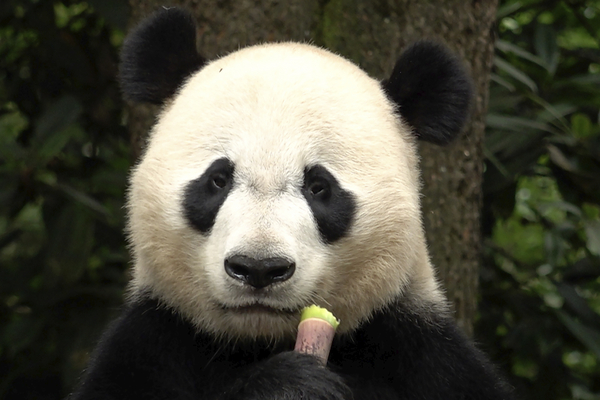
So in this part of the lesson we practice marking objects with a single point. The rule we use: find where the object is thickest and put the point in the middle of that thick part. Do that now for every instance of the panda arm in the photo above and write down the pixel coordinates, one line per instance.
(403, 355)
(439, 360)
(149, 352)
(144, 354)
(288, 375)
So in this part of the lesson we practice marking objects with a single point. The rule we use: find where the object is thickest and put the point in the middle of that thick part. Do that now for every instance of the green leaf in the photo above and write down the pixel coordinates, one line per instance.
(516, 124)
(502, 82)
(22, 332)
(583, 270)
(56, 127)
(592, 231)
(492, 158)
(502, 101)
(585, 79)
(518, 51)
(581, 125)
(517, 150)
(587, 336)
(55, 143)
(553, 112)
(553, 247)
(115, 12)
(11, 125)
(515, 73)
(560, 159)
(545, 44)
(57, 117)
(71, 239)
(561, 205)
(579, 305)
(508, 9)
(7, 238)
(84, 199)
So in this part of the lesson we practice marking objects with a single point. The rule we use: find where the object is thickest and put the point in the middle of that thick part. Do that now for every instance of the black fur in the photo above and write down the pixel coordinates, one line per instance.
(158, 55)
(432, 90)
(332, 206)
(204, 196)
(409, 357)
(152, 353)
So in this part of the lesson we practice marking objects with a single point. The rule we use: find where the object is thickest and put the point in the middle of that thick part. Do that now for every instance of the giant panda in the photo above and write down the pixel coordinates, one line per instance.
(276, 177)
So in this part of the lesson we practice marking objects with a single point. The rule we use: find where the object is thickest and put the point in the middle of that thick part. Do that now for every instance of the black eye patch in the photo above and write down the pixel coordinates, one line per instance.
(332, 206)
(204, 196)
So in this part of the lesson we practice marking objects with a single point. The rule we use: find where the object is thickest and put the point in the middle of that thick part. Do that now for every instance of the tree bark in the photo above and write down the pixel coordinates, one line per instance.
(372, 33)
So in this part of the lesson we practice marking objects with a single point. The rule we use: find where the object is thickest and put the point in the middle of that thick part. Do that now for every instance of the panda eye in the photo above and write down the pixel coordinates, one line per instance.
(332, 206)
(219, 181)
(319, 189)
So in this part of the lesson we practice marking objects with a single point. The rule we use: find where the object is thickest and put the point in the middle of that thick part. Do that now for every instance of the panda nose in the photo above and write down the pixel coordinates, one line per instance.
(259, 273)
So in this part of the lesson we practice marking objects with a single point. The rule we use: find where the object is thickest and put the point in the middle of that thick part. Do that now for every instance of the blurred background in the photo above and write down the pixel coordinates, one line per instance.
(65, 152)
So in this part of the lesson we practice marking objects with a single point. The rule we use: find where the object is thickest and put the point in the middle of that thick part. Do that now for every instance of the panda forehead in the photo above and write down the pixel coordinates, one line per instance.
(279, 108)
(276, 84)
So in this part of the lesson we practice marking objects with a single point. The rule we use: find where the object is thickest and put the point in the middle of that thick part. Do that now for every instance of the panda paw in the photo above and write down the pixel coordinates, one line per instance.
(291, 375)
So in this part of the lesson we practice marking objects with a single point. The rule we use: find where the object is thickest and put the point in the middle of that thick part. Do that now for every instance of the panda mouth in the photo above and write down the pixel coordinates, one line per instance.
(259, 308)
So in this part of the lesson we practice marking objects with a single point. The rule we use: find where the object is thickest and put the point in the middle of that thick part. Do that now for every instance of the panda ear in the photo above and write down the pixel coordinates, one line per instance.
(432, 91)
(158, 55)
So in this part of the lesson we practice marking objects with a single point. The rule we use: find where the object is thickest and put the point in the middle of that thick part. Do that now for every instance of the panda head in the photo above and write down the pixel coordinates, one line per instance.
(281, 176)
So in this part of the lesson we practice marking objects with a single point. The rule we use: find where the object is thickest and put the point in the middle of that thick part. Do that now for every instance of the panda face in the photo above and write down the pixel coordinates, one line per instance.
(278, 177)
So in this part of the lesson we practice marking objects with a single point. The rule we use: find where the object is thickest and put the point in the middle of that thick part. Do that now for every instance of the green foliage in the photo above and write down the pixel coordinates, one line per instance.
(540, 282)
(64, 155)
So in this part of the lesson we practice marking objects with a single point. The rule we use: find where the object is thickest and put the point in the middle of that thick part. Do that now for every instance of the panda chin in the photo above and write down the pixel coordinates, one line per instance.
(256, 321)
(260, 309)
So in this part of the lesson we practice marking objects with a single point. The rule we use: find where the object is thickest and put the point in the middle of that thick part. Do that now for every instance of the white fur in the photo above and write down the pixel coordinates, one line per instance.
(273, 110)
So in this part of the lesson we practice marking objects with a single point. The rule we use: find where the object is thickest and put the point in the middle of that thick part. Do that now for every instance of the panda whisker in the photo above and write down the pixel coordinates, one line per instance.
(221, 144)
(317, 299)
(215, 355)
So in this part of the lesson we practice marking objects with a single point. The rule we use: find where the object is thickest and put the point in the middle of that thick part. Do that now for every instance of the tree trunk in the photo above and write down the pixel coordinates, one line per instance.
(373, 33)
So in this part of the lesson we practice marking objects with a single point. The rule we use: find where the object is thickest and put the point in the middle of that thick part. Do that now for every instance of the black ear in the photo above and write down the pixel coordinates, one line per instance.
(158, 55)
(432, 90)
